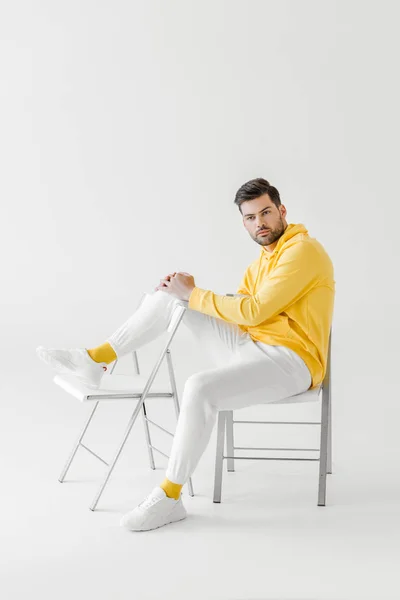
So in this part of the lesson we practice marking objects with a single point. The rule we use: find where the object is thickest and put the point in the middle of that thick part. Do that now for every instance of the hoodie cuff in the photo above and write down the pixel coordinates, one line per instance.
(195, 298)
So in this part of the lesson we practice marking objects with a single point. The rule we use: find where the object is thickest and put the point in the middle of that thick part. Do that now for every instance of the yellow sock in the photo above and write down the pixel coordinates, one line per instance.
(173, 490)
(104, 353)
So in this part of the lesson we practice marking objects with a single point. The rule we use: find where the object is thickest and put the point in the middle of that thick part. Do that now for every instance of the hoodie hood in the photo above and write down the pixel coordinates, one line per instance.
(290, 232)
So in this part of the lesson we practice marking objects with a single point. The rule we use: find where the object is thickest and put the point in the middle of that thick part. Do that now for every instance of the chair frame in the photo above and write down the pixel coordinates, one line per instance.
(226, 423)
(140, 407)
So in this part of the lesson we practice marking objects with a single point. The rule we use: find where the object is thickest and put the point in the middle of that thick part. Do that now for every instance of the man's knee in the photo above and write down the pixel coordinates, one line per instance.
(196, 390)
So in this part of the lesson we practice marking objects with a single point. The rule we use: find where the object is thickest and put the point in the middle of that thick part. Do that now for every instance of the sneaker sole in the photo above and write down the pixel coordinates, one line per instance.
(158, 526)
(173, 520)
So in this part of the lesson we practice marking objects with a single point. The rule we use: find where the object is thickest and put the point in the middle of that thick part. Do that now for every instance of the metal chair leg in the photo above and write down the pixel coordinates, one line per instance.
(77, 444)
(148, 438)
(329, 460)
(176, 405)
(144, 418)
(219, 458)
(143, 411)
(229, 440)
(323, 447)
(328, 385)
(116, 456)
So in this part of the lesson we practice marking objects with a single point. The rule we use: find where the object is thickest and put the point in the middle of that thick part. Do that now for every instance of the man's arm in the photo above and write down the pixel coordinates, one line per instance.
(296, 273)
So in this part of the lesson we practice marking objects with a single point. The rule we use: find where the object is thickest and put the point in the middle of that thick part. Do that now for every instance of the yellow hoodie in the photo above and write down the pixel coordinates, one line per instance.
(290, 299)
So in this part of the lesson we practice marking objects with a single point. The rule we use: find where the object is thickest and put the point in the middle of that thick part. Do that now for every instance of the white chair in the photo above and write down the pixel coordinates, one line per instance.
(126, 387)
(226, 422)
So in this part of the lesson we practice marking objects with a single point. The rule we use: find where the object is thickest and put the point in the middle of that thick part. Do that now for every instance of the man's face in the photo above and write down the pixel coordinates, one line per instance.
(261, 215)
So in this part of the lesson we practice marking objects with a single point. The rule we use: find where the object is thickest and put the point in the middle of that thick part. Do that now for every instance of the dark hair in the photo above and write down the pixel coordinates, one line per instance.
(254, 189)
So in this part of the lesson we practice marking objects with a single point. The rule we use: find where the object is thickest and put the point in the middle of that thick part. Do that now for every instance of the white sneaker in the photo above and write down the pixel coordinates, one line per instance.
(76, 361)
(155, 511)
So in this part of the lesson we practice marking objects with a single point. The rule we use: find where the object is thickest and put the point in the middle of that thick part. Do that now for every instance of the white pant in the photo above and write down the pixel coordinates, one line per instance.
(246, 373)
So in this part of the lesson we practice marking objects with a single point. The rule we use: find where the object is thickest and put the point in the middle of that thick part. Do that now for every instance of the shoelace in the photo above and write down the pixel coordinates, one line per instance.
(148, 502)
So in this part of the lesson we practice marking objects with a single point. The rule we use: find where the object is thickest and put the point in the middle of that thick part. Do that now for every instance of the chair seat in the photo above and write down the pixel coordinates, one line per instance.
(121, 387)
(132, 386)
(308, 396)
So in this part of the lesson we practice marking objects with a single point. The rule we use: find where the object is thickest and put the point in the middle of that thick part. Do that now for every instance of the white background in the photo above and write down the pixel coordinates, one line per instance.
(126, 129)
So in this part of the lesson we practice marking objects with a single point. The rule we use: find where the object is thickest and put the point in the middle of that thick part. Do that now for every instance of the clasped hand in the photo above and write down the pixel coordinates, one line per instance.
(179, 284)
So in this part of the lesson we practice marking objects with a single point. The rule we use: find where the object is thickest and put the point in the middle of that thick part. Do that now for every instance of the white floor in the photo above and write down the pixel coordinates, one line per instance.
(268, 539)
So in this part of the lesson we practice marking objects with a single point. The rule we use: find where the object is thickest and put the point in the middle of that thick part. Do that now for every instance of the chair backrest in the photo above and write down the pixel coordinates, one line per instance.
(327, 378)
(178, 311)
(329, 346)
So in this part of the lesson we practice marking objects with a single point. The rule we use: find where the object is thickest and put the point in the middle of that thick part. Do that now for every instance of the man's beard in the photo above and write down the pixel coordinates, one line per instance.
(272, 236)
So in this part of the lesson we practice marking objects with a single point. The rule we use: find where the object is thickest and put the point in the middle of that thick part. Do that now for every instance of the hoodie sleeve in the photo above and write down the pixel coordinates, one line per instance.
(296, 272)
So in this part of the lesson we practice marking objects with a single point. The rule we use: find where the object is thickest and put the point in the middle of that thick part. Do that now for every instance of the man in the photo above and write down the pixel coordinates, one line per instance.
(268, 342)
